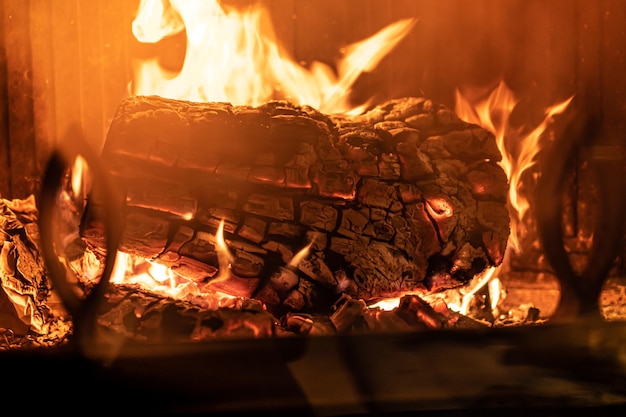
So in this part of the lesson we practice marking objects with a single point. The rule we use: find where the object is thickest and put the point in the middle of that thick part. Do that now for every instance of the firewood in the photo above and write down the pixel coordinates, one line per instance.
(134, 313)
(405, 197)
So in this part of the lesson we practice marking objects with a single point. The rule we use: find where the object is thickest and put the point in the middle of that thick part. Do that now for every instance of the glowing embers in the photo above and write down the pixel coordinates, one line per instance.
(163, 280)
(224, 285)
(233, 56)
(460, 300)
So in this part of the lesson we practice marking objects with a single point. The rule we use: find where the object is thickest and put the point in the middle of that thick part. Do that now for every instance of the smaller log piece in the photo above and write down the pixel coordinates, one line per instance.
(139, 315)
(405, 197)
(136, 314)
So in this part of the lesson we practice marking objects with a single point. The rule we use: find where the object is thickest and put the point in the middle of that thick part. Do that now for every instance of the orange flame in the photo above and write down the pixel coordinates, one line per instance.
(233, 56)
(387, 304)
(160, 279)
(480, 281)
(79, 173)
(518, 149)
(298, 257)
(224, 257)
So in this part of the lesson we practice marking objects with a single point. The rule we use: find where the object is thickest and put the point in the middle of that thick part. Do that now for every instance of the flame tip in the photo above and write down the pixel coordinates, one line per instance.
(491, 110)
(233, 56)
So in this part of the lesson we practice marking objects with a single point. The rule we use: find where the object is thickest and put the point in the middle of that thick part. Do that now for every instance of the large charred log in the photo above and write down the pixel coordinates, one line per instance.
(405, 197)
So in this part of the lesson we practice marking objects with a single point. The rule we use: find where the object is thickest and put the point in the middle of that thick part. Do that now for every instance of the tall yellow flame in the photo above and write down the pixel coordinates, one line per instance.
(233, 56)
(519, 150)
(224, 256)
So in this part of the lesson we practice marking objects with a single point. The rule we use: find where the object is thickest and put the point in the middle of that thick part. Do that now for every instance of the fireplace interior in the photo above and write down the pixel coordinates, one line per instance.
(500, 123)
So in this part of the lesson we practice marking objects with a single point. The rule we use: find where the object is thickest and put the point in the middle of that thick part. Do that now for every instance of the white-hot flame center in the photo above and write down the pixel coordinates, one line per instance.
(233, 56)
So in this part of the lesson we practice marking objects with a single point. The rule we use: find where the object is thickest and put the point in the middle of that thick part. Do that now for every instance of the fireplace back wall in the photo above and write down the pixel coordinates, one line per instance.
(66, 62)
(69, 61)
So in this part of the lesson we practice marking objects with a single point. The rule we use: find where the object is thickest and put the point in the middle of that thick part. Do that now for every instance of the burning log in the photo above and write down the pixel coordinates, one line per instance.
(405, 197)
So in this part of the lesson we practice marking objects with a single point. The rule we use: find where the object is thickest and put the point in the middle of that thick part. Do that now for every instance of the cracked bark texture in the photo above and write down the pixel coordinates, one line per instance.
(405, 197)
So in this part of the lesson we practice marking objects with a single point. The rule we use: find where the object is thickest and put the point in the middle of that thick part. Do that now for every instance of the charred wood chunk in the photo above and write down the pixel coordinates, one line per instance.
(317, 270)
(284, 281)
(276, 207)
(285, 252)
(164, 196)
(415, 164)
(335, 179)
(487, 180)
(353, 223)
(175, 258)
(375, 193)
(346, 312)
(379, 268)
(144, 234)
(389, 166)
(268, 175)
(245, 264)
(302, 297)
(297, 177)
(214, 216)
(318, 215)
(138, 315)
(472, 144)
(309, 325)
(401, 198)
(190, 268)
(253, 229)
(286, 230)
(401, 109)
(234, 285)
(419, 235)
(360, 144)
(415, 310)
(203, 247)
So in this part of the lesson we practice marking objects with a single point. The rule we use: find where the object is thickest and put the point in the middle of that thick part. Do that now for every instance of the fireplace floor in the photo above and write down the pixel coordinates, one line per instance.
(549, 369)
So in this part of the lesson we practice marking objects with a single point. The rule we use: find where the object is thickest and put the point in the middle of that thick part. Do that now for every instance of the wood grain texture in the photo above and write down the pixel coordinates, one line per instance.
(396, 199)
